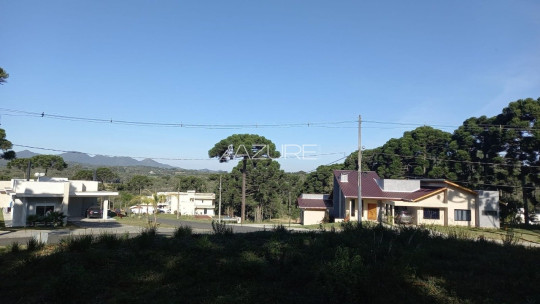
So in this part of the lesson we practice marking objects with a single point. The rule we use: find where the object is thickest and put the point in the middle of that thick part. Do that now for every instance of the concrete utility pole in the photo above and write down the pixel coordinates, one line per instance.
(219, 209)
(360, 170)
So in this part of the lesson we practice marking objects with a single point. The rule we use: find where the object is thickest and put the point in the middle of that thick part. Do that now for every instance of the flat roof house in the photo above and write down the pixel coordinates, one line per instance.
(29, 197)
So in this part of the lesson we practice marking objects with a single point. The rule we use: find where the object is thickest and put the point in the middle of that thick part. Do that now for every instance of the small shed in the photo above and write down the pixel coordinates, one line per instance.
(313, 208)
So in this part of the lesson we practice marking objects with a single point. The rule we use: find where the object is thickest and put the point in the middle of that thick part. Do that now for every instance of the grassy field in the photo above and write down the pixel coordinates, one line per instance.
(371, 265)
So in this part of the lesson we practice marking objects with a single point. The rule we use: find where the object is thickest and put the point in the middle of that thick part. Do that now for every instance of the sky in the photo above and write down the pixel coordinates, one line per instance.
(299, 73)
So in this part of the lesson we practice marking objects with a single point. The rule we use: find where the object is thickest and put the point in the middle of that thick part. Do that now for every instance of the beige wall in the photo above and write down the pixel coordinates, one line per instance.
(446, 201)
(312, 217)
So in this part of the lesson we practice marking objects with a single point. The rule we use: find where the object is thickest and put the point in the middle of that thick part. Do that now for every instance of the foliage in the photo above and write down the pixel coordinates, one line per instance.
(185, 183)
(382, 265)
(139, 183)
(3, 76)
(243, 144)
(47, 162)
(221, 228)
(53, 218)
(21, 164)
(5, 145)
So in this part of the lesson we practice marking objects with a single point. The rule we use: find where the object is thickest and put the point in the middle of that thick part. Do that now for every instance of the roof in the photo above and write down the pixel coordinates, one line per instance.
(372, 190)
(314, 202)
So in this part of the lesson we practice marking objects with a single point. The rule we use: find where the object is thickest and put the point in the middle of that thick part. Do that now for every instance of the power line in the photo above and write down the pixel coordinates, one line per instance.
(164, 158)
(330, 124)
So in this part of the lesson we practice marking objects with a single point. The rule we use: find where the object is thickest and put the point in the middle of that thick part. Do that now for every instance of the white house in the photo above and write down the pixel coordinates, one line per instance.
(191, 202)
(29, 197)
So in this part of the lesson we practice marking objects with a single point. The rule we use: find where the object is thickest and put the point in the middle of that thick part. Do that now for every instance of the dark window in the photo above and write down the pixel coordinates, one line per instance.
(431, 213)
(462, 215)
(352, 207)
(42, 210)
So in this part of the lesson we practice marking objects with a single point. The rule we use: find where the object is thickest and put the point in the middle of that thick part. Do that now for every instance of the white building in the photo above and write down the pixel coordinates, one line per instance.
(30, 197)
(191, 202)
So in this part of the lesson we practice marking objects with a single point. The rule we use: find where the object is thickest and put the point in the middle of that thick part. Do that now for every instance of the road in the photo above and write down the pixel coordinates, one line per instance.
(96, 227)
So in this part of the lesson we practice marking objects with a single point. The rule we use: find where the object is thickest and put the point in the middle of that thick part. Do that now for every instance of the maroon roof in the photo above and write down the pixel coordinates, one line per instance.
(314, 203)
(371, 189)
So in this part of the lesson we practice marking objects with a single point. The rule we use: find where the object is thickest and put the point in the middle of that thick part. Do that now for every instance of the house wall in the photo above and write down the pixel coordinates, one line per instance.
(487, 211)
(191, 203)
(312, 217)
(460, 200)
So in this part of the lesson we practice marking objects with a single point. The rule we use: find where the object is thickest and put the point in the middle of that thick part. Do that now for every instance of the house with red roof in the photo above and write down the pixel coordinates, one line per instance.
(428, 201)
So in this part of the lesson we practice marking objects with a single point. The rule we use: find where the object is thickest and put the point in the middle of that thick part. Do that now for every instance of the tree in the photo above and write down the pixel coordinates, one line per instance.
(185, 183)
(47, 162)
(321, 180)
(84, 174)
(245, 146)
(21, 164)
(3, 76)
(5, 146)
(138, 183)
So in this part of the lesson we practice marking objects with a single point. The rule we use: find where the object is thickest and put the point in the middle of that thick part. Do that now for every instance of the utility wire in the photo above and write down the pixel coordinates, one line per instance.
(163, 158)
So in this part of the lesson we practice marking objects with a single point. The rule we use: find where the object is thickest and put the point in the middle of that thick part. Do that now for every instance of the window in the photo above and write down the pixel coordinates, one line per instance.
(431, 214)
(352, 208)
(462, 215)
(42, 210)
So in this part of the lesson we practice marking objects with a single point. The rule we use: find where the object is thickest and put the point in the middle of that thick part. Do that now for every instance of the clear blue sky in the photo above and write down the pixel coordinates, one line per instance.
(258, 62)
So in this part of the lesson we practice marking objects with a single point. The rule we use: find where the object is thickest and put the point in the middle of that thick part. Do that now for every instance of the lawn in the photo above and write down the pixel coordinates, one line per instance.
(531, 234)
(374, 265)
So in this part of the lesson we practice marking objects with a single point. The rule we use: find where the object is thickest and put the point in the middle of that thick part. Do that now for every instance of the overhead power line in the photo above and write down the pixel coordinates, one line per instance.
(164, 158)
(330, 124)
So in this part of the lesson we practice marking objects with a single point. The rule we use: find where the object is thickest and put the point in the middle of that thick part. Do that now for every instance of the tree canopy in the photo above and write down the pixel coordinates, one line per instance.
(248, 145)
(3, 76)
(5, 146)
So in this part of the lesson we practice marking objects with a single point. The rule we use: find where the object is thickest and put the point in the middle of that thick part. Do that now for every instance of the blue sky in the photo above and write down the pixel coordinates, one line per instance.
(258, 62)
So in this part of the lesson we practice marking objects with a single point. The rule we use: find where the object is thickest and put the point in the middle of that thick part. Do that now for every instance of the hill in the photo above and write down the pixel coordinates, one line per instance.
(100, 160)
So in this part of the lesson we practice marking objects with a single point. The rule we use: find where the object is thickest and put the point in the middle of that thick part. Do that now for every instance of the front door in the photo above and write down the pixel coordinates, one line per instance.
(372, 212)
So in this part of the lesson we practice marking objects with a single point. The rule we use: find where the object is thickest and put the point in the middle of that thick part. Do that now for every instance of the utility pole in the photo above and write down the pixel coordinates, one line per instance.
(219, 209)
(243, 215)
(360, 171)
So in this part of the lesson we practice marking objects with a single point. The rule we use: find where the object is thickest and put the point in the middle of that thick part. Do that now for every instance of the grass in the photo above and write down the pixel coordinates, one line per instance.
(2, 222)
(139, 221)
(532, 234)
(372, 264)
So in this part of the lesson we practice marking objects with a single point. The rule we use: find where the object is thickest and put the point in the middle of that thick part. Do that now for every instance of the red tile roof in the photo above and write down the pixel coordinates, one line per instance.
(372, 190)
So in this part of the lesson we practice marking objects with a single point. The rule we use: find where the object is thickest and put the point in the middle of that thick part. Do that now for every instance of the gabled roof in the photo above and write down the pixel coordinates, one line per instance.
(372, 190)
(310, 201)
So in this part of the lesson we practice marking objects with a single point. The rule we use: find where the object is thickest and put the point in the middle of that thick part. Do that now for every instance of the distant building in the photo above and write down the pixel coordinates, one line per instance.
(190, 202)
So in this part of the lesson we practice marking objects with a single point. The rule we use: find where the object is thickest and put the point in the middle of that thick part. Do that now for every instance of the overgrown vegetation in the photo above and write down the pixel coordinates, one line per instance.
(373, 264)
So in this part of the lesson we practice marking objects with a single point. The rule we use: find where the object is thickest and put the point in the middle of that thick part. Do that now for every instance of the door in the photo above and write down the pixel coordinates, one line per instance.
(372, 212)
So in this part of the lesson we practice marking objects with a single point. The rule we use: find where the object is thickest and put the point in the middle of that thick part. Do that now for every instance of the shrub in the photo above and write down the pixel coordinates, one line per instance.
(77, 244)
(34, 244)
(221, 228)
(182, 231)
(15, 247)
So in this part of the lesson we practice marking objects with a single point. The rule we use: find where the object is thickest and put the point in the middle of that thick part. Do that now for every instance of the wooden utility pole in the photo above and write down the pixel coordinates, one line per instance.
(360, 170)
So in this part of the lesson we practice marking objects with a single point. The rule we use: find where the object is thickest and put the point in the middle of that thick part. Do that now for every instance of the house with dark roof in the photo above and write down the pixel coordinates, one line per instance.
(429, 201)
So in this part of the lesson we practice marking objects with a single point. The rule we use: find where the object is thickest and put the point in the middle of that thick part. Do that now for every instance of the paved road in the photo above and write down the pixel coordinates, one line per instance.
(96, 226)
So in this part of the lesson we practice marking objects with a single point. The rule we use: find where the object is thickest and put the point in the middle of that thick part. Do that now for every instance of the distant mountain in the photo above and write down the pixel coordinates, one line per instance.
(101, 160)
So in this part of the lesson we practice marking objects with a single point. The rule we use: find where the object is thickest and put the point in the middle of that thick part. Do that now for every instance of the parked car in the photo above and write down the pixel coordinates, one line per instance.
(94, 212)
(403, 217)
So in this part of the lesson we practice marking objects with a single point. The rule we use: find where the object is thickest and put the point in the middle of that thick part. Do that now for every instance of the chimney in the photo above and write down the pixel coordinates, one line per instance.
(344, 178)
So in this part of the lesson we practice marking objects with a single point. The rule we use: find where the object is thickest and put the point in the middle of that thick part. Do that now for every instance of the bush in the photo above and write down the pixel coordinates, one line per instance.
(221, 228)
(182, 231)
(33, 244)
